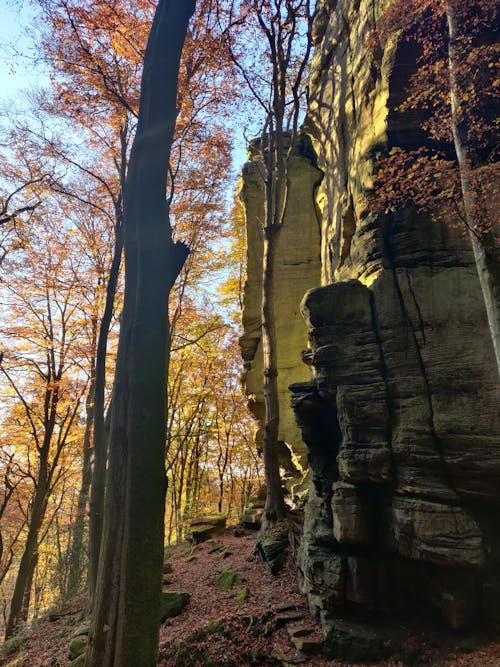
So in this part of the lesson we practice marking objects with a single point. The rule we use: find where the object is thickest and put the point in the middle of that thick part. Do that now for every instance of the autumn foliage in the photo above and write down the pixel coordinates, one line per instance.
(428, 175)
(61, 227)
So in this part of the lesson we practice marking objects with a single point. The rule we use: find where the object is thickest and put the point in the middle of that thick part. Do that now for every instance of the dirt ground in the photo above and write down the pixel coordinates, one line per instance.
(220, 628)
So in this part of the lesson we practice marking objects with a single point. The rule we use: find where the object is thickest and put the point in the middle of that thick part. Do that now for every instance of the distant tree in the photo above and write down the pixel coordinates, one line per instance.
(12, 480)
(455, 91)
(20, 195)
(125, 619)
(40, 369)
(277, 85)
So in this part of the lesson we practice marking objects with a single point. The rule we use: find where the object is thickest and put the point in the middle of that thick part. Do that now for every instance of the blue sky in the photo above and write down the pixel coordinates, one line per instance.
(15, 72)
(18, 73)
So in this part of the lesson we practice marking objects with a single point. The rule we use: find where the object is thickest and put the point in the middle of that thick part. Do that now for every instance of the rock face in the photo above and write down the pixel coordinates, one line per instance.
(401, 419)
(297, 270)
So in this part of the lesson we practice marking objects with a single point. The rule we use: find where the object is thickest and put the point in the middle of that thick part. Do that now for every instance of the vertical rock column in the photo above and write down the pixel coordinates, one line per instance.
(297, 270)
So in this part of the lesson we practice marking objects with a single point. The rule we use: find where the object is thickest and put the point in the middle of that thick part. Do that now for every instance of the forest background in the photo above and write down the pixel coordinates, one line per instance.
(65, 143)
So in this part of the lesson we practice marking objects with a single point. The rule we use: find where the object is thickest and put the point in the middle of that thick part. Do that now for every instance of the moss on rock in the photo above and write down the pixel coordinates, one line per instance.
(227, 579)
(78, 646)
(172, 604)
(273, 548)
(243, 595)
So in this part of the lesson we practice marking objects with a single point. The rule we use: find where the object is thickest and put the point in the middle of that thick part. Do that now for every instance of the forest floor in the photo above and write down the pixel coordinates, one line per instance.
(218, 628)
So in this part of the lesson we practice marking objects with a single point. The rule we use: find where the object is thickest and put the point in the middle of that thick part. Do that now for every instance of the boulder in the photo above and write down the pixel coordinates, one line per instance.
(353, 642)
(227, 579)
(205, 528)
(243, 595)
(78, 646)
(172, 604)
(273, 548)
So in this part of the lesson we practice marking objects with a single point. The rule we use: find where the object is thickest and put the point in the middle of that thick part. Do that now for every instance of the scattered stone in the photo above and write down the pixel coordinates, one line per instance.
(356, 642)
(300, 631)
(308, 644)
(257, 657)
(204, 528)
(214, 626)
(243, 595)
(283, 609)
(215, 545)
(284, 619)
(252, 518)
(239, 532)
(172, 604)
(78, 646)
(226, 553)
(81, 629)
(273, 549)
(191, 558)
(281, 660)
(227, 579)
(78, 662)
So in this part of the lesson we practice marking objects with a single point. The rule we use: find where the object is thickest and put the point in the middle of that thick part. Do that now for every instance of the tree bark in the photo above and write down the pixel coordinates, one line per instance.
(29, 554)
(76, 553)
(487, 262)
(126, 612)
(276, 194)
(27, 591)
(100, 436)
(275, 506)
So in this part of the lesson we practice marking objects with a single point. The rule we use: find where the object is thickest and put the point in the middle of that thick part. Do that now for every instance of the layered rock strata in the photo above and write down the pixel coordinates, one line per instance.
(401, 419)
(297, 270)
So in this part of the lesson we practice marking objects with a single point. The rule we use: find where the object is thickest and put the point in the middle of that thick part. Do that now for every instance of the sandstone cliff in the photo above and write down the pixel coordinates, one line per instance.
(298, 270)
(402, 418)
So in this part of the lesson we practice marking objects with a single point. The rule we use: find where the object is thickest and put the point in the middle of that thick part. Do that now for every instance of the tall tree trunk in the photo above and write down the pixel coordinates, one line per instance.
(126, 612)
(76, 553)
(28, 590)
(100, 433)
(28, 558)
(276, 167)
(275, 505)
(487, 262)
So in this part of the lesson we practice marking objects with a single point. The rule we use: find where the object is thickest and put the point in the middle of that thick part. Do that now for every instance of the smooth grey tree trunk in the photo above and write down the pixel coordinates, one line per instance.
(100, 449)
(126, 611)
(275, 505)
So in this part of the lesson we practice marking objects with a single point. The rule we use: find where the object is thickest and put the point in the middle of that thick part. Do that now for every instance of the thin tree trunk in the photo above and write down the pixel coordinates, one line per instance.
(100, 433)
(488, 267)
(275, 506)
(29, 554)
(28, 590)
(76, 553)
(125, 620)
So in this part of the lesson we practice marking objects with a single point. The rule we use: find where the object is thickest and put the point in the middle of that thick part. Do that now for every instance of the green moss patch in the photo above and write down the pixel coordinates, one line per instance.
(227, 579)
(78, 646)
(172, 604)
(243, 595)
